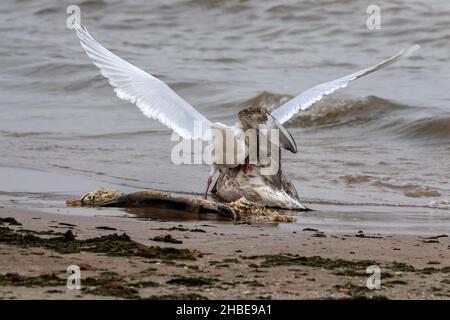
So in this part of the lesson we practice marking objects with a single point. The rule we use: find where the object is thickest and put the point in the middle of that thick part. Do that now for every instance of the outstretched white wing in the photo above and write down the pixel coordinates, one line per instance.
(314, 94)
(152, 96)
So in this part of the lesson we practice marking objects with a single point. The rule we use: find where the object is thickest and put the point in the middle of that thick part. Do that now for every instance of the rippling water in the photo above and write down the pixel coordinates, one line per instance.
(383, 141)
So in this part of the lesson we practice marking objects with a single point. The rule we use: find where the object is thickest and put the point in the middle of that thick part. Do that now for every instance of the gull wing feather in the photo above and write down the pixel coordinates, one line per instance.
(152, 96)
(316, 93)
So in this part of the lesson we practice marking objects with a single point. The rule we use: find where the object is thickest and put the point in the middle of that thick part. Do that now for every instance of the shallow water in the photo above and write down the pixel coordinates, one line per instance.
(376, 154)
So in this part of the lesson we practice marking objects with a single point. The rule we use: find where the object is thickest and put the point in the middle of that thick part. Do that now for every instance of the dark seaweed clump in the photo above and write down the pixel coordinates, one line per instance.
(105, 228)
(106, 285)
(401, 266)
(114, 285)
(315, 261)
(167, 238)
(14, 279)
(10, 221)
(192, 281)
(179, 296)
(358, 292)
(111, 245)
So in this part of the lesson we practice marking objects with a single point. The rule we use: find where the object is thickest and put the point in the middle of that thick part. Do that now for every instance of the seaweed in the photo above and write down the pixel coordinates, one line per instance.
(230, 260)
(173, 229)
(431, 270)
(181, 229)
(350, 273)
(253, 283)
(314, 261)
(360, 234)
(105, 228)
(310, 229)
(435, 237)
(354, 273)
(44, 233)
(111, 245)
(179, 296)
(113, 285)
(356, 292)
(401, 266)
(319, 235)
(66, 224)
(192, 281)
(430, 241)
(198, 230)
(167, 238)
(54, 291)
(113, 289)
(394, 282)
(45, 280)
(144, 284)
(10, 221)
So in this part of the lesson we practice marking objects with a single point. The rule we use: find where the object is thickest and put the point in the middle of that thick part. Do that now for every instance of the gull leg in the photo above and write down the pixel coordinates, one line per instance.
(207, 187)
(245, 165)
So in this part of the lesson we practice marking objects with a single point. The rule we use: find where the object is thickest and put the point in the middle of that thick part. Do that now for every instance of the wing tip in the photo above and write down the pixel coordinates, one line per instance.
(81, 31)
(77, 27)
(408, 52)
(413, 48)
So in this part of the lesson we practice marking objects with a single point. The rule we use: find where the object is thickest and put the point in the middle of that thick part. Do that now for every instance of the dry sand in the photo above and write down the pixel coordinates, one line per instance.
(232, 261)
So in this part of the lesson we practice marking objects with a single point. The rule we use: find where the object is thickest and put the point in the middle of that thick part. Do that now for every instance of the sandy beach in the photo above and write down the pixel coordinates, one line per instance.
(222, 260)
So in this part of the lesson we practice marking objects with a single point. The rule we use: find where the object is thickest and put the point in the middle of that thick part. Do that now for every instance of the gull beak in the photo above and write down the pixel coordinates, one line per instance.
(286, 139)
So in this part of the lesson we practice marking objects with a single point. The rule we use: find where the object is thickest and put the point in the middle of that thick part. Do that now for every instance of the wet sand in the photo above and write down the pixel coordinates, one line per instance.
(222, 260)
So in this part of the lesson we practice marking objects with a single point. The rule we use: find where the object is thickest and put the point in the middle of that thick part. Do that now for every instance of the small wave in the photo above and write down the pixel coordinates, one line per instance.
(93, 3)
(329, 112)
(23, 134)
(436, 204)
(409, 189)
(236, 5)
(49, 69)
(281, 8)
(122, 135)
(353, 179)
(401, 120)
(422, 193)
(440, 204)
(337, 112)
(435, 127)
(47, 11)
(56, 9)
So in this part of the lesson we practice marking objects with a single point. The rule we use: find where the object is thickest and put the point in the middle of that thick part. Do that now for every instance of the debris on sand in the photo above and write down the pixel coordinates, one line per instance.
(245, 209)
(94, 198)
